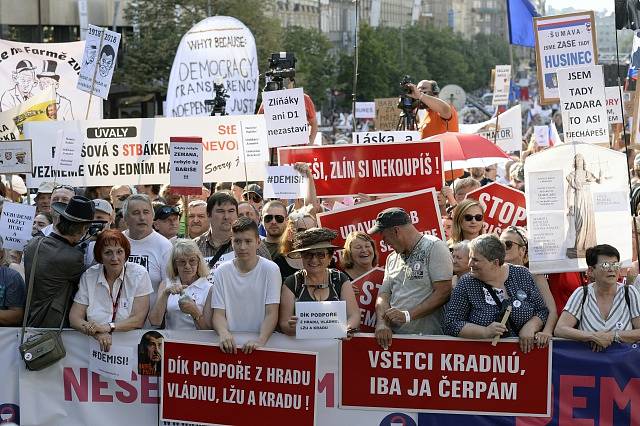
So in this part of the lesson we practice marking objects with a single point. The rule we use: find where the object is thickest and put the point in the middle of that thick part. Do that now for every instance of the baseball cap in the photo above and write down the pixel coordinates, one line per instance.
(164, 211)
(388, 218)
(254, 187)
(103, 206)
(46, 188)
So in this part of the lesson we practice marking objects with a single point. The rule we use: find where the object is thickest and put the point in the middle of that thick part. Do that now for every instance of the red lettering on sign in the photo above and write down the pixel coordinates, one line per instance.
(568, 401)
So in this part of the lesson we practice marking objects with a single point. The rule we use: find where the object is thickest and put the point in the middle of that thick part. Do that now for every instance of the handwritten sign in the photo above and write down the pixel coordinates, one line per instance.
(284, 182)
(286, 118)
(115, 364)
(16, 223)
(186, 165)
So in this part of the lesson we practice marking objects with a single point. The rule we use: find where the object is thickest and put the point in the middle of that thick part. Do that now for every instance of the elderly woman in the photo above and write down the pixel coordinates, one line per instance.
(298, 221)
(515, 242)
(479, 300)
(113, 295)
(184, 299)
(604, 311)
(359, 255)
(460, 258)
(468, 221)
(315, 282)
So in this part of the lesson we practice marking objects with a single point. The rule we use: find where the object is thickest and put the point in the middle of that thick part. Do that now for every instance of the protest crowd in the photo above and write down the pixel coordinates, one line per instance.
(512, 239)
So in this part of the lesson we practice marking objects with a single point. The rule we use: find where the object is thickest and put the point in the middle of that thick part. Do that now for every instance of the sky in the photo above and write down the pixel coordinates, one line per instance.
(607, 5)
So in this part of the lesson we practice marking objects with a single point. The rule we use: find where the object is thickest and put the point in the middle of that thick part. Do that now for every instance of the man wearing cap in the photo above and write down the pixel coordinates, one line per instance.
(59, 263)
(253, 195)
(60, 194)
(118, 194)
(49, 77)
(25, 80)
(166, 221)
(43, 197)
(417, 279)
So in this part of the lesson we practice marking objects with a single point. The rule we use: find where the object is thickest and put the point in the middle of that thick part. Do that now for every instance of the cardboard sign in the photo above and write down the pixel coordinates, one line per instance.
(503, 206)
(286, 119)
(98, 61)
(370, 169)
(15, 157)
(186, 165)
(445, 374)
(562, 41)
(615, 108)
(387, 114)
(68, 149)
(365, 109)
(385, 137)
(501, 85)
(16, 224)
(321, 320)
(284, 182)
(115, 364)
(541, 134)
(582, 98)
(422, 207)
(368, 285)
(267, 384)
(508, 133)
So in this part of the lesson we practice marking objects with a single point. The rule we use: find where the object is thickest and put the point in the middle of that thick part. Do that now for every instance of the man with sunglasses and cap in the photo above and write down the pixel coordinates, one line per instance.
(417, 279)
(59, 194)
(166, 221)
(59, 263)
(118, 194)
(253, 195)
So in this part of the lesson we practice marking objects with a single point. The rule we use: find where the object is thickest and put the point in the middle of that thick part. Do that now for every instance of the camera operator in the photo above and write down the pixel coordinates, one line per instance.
(441, 117)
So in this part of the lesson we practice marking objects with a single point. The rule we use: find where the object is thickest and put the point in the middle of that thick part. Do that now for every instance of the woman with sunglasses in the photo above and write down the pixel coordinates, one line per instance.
(298, 221)
(515, 241)
(316, 281)
(604, 311)
(184, 299)
(480, 299)
(468, 221)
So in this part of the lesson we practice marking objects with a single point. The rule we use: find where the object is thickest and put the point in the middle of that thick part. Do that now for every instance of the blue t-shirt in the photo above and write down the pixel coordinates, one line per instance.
(12, 289)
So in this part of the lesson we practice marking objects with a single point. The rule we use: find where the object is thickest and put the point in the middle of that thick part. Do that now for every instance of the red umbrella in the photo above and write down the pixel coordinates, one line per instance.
(462, 151)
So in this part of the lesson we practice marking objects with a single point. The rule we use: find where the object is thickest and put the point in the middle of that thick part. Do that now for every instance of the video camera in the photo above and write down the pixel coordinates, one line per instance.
(281, 65)
(219, 102)
(406, 102)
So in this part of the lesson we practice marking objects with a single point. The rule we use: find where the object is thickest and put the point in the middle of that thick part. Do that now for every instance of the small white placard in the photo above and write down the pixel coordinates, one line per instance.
(365, 110)
(321, 320)
(614, 104)
(68, 150)
(501, 85)
(15, 157)
(116, 364)
(101, 51)
(286, 119)
(284, 182)
(542, 135)
(16, 224)
(186, 164)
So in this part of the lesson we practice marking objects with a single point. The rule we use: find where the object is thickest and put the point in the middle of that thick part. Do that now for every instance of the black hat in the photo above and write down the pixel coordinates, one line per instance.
(313, 238)
(24, 65)
(254, 187)
(49, 69)
(389, 218)
(79, 209)
(163, 211)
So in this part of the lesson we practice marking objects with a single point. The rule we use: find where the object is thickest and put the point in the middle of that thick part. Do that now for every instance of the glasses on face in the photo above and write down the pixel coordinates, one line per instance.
(193, 262)
(278, 217)
(308, 255)
(252, 196)
(517, 231)
(606, 266)
(470, 217)
(508, 244)
(123, 197)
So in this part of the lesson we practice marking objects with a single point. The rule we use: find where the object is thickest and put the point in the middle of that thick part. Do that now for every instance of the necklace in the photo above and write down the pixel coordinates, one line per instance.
(316, 286)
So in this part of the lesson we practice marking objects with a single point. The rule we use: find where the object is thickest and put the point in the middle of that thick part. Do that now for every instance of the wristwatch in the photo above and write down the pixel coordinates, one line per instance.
(112, 327)
(616, 337)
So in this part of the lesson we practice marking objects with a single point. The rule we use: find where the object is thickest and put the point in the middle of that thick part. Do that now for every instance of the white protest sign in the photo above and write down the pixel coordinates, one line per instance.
(16, 224)
(582, 103)
(15, 157)
(68, 150)
(365, 110)
(321, 320)
(218, 47)
(286, 118)
(541, 134)
(508, 134)
(116, 364)
(501, 85)
(284, 182)
(384, 137)
(562, 41)
(98, 61)
(614, 104)
(186, 165)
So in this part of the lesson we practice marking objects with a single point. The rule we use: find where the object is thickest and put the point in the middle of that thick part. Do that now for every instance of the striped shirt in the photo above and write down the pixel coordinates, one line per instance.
(591, 320)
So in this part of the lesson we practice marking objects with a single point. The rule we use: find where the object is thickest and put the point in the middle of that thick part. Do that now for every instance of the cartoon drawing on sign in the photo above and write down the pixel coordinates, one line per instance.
(580, 207)
(49, 77)
(25, 80)
(150, 354)
(90, 54)
(106, 61)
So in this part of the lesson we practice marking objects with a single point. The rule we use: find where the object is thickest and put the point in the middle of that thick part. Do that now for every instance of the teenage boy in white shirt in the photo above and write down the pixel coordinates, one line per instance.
(246, 291)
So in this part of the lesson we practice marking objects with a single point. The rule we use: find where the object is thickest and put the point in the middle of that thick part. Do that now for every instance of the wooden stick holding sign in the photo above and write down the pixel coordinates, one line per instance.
(505, 318)
(95, 71)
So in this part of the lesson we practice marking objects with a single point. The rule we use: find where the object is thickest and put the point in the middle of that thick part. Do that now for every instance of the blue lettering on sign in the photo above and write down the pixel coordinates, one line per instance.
(567, 59)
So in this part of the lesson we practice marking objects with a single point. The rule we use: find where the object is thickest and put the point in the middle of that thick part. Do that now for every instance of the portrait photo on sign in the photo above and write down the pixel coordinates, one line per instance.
(577, 197)
(150, 354)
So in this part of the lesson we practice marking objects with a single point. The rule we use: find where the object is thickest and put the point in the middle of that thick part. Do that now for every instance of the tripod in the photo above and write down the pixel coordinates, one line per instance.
(407, 120)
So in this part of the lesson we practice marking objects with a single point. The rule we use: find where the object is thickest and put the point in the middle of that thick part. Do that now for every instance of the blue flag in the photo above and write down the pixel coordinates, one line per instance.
(520, 14)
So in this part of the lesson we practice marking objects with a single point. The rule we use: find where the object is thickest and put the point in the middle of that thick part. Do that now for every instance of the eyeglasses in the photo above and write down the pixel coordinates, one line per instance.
(308, 255)
(70, 188)
(123, 197)
(252, 196)
(470, 217)
(508, 244)
(605, 266)
(278, 217)
(517, 231)
(192, 262)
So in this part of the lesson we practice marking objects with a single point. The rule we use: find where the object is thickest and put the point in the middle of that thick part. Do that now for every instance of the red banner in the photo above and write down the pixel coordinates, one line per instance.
(503, 206)
(380, 169)
(422, 206)
(368, 285)
(202, 384)
(445, 374)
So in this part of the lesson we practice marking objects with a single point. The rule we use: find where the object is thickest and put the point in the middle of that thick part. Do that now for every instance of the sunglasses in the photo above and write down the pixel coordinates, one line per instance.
(508, 244)
(470, 217)
(605, 266)
(308, 255)
(167, 210)
(252, 196)
(517, 231)
(278, 217)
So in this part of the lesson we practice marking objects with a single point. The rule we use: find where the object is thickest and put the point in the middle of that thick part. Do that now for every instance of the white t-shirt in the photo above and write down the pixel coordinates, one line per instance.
(243, 296)
(93, 291)
(175, 319)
